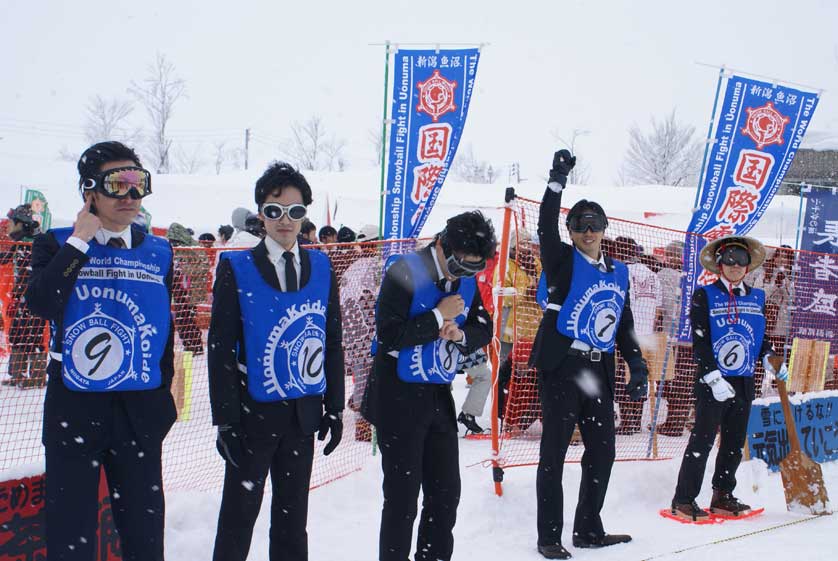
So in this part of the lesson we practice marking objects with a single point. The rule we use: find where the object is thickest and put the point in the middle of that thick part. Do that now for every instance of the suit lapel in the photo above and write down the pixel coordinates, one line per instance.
(137, 236)
(305, 267)
(264, 265)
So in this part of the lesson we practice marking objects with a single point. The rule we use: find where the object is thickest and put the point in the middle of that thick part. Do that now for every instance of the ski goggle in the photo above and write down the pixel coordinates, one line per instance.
(274, 211)
(581, 223)
(119, 183)
(461, 268)
(734, 255)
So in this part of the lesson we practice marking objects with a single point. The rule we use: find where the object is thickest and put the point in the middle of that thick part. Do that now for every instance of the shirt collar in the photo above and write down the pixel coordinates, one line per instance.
(726, 282)
(439, 274)
(103, 235)
(275, 250)
(598, 263)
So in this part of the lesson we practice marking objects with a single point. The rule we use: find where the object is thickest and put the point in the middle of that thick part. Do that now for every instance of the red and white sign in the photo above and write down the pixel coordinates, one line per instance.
(765, 125)
(753, 168)
(436, 96)
(434, 142)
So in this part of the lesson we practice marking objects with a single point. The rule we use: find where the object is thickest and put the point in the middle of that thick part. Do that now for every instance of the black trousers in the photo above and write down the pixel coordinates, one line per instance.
(563, 405)
(135, 480)
(711, 415)
(426, 457)
(288, 458)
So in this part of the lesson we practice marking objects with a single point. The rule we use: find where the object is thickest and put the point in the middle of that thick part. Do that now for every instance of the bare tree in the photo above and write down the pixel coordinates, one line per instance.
(581, 172)
(220, 155)
(374, 137)
(310, 146)
(188, 161)
(669, 154)
(106, 120)
(467, 167)
(158, 92)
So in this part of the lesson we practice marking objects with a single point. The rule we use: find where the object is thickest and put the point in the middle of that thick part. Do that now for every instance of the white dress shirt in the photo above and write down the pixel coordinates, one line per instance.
(275, 256)
(102, 236)
(730, 288)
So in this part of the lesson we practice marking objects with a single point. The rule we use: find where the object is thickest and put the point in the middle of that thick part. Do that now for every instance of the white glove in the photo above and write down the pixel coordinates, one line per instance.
(722, 390)
(782, 375)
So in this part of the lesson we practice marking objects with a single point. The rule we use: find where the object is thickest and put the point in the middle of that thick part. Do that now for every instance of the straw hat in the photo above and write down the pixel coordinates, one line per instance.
(710, 251)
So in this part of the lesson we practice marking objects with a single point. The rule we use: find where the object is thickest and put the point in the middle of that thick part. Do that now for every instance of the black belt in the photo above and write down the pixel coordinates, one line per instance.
(594, 355)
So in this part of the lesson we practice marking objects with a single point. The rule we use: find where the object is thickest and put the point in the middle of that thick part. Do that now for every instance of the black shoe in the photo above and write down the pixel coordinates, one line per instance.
(604, 541)
(689, 511)
(554, 551)
(469, 422)
(627, 430)
(725, 503)
(12, 381)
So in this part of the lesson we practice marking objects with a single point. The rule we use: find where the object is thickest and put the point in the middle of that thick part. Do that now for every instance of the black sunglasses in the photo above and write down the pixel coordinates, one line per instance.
(274, 211)
(581, 223)
(734, 255)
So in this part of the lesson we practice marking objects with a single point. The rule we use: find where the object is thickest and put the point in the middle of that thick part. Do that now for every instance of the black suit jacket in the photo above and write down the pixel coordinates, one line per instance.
(705, 358)
(230, 399)
(550, 347)
(69, 414)
(389, 403)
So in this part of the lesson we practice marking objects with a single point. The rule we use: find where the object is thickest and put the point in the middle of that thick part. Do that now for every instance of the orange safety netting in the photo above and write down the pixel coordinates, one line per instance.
(190, 460)
(654, 257)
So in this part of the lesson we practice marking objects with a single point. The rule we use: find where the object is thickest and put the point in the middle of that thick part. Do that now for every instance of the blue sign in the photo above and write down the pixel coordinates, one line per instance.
(817, 428)
(816, 284)
(431, 94)
(758, 131)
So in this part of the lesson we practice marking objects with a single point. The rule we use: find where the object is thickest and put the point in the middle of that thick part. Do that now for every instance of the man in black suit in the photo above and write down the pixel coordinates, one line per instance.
(429, 316)
(275, 359)
(588, 312)
(105, 287)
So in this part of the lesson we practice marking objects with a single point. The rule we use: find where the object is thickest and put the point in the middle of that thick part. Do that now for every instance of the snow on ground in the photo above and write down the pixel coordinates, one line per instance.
(344, 516)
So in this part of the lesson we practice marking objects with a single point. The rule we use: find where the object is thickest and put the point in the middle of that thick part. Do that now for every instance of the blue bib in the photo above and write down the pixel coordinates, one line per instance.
(436, 362)
(541, 294)
(736, 344)
(284, 332)
(592, 309)
(116, 321)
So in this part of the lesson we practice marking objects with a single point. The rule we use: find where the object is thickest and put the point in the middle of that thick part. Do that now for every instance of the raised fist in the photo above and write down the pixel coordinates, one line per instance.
(563, 162)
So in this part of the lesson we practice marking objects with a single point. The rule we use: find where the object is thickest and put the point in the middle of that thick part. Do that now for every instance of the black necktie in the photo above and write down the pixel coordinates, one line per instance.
(737, 291)
(118, 243)
(290, 272)
(445, 285)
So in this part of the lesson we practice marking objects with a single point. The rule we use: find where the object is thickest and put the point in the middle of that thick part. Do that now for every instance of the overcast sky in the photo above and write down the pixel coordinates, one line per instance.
(557, 65)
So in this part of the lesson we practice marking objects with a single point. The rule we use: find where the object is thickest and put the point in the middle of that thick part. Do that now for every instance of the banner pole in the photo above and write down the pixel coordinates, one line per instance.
(709, 137)
(494, 348)
(384, 142)
(798, 233)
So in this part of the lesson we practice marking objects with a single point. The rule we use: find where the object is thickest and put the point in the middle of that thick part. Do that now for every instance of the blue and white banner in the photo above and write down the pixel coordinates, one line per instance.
(431, 94)
(816, 284)
(758, 130)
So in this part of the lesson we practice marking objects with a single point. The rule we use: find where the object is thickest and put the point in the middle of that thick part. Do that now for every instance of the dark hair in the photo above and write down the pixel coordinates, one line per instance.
(308, 226)
(226, 232)
(470, 233)
(93, 158)
(278, 176)
(206, 237)
(585, 205)
(346, 234)
(326, 231)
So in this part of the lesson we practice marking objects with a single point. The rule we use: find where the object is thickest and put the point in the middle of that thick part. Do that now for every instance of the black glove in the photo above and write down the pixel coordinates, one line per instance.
(563, 162)
(230, 443)
(638, 384)
(331, 422)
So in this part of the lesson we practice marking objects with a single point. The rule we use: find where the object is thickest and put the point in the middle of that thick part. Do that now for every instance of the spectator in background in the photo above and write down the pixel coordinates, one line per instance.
(522, 272)
(343, 256)
(225, 232)
(328, 234)
(308, 233)
(645, 303)
(189, 288)
(346, 235)
(206, 240)
(244, 236)
(26, 331)
(368, 233)
(677, 387)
